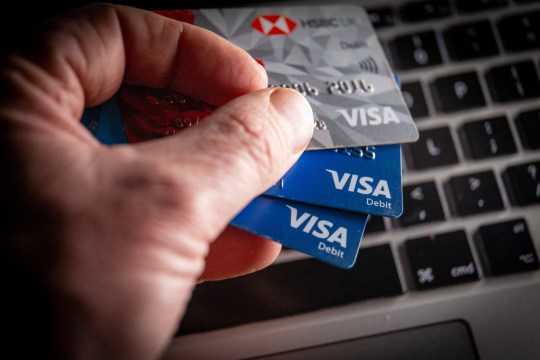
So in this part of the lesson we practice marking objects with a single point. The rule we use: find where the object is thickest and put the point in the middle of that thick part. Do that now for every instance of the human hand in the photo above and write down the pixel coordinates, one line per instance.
(103, 245)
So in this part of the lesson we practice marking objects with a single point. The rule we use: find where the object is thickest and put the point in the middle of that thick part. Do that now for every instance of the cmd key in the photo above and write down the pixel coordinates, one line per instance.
(444, 259)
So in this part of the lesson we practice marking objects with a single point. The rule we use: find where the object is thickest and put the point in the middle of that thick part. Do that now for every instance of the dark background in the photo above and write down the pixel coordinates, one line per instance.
(20, 16)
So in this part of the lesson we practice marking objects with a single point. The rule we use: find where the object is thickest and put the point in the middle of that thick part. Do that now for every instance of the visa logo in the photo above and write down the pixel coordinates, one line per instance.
(369, 116)
(360, 184)
(322, 229)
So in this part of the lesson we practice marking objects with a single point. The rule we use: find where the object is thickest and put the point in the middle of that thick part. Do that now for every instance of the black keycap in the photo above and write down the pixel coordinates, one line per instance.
(457, 92)
(415, 99)
(467, 6)
(506, 247)
(291, 288)
(528, 125)
(440, 260)
(520, 32)
(513, 82)
(526, 1)
(434, 148)
(523, 183)
(487, 138)
(416, 50)
(474, 193)
(382, 17)
(425, 10)
(470, 41)
(421, 205)
(374, 224)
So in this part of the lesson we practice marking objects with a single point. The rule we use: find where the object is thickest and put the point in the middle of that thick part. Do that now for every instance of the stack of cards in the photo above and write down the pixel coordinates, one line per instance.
(352, 166)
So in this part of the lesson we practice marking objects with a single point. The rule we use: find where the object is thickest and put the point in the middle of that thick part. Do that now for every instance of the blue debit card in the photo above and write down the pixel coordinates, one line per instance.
(330, 235)
(364, 179)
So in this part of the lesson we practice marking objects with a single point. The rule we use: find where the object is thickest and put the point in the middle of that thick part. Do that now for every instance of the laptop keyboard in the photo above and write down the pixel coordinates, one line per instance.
(469, 73)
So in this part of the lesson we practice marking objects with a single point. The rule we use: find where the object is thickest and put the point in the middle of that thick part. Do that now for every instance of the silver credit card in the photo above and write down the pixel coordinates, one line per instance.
(331, 55)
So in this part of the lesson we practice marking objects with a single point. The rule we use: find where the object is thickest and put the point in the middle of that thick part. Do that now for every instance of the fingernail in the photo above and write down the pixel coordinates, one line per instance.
(297, 115)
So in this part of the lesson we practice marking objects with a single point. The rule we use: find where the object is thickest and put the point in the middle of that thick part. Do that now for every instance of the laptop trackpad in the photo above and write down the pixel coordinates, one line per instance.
(449, 340)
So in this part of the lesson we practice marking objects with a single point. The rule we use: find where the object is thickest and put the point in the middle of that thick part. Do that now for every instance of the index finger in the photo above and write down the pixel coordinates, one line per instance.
(202, 64)
(95, 49)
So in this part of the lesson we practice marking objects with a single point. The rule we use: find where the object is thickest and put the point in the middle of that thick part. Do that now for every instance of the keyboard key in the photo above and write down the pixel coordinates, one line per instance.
(416, 50)
(487, 138)
(523, 183)
(506, 247)
(421, 205)
(374, 224)
(457, 92)
(440, 260)
(434, 148)
(415, 99)
(513, 82)
(528, 125)
(382, 17)
(467, 6)
(470, 41)
(300, 286)
(474, 193)
(520, 32)
(425, 10)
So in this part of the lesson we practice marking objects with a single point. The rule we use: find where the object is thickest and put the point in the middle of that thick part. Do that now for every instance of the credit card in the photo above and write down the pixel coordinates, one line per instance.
(330, 54)
(363, 179)
(330, 235)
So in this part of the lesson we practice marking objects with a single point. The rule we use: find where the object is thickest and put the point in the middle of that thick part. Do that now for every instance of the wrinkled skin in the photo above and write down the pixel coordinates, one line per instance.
(103, 245)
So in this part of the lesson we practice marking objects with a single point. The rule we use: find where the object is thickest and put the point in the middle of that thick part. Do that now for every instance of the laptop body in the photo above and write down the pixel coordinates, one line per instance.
(471, 196)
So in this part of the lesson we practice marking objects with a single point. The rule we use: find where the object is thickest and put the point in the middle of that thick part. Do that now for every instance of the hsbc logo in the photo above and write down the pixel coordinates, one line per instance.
(273, 24)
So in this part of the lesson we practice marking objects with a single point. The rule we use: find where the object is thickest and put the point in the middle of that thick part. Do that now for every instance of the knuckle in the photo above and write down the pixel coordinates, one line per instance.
(256, 143)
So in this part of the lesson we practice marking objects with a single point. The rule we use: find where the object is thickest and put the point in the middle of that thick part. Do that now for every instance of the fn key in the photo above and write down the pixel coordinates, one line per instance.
(506, 247)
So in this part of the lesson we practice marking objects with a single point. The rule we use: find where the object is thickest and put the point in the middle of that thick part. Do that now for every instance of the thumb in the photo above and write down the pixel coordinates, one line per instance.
(235, 154)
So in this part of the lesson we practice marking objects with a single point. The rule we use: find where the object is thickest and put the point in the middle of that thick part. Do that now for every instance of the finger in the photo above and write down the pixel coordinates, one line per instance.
(237, 252)
(235, 154)
(196, 61)
(89, 52)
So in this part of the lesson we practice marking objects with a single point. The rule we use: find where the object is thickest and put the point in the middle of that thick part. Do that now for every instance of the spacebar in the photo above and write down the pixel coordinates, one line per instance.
(290, 288)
